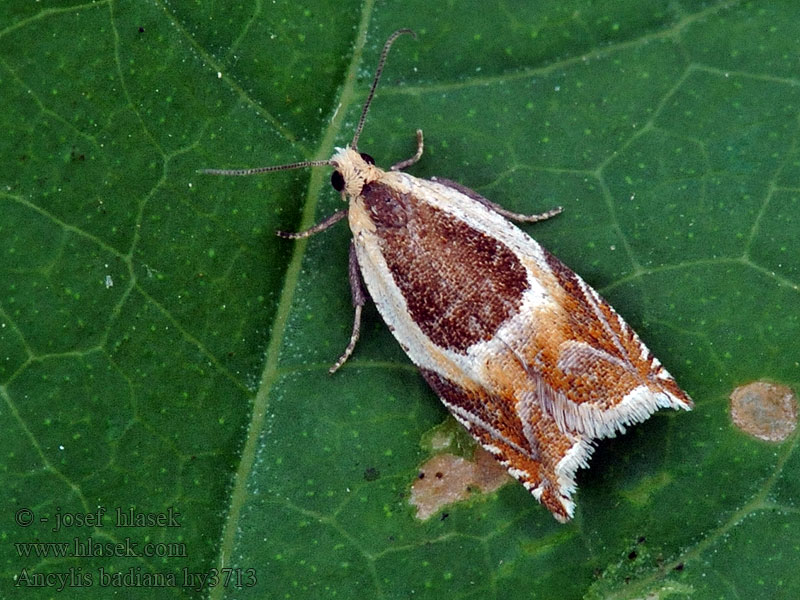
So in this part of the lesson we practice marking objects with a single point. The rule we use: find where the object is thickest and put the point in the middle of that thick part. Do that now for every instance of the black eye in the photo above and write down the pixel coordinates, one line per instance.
(337, 181)
(367, 158)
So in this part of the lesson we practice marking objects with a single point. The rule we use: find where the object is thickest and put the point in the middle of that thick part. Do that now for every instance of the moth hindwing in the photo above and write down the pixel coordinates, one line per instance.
(523, 352)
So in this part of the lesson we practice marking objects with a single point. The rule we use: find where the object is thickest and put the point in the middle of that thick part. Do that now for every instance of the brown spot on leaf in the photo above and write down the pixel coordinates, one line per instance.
(764, 410)
(451, 479)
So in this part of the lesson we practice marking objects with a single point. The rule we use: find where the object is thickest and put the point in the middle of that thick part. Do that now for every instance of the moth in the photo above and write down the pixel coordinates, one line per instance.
(523, 353)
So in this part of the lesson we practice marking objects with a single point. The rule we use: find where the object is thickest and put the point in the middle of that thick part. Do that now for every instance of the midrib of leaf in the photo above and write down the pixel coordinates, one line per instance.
(270, 372)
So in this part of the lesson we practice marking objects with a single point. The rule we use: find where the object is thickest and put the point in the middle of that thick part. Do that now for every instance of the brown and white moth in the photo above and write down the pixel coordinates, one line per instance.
(522, 352)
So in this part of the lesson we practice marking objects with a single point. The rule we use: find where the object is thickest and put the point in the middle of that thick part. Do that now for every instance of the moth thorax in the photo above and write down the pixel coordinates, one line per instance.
(355, 170)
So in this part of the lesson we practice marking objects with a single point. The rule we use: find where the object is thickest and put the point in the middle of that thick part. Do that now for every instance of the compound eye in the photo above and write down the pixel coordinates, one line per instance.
(367, 158)
(337, 181)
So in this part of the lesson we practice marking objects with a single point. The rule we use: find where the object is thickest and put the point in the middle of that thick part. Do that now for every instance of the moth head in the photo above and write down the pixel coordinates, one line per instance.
(352, 169)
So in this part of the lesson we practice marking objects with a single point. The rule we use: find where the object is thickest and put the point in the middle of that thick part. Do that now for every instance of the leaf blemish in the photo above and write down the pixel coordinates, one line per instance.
(764, 410)
(446, 479)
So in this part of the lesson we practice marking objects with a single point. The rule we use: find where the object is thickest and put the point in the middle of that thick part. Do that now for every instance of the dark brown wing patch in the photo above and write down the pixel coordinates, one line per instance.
(460, 285)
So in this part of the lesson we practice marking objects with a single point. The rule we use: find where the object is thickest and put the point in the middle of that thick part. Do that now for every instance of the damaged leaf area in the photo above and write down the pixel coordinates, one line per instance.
(764, 410)
(446, 479)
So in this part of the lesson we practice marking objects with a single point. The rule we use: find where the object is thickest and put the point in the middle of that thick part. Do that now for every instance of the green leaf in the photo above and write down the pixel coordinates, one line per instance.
(161, 348)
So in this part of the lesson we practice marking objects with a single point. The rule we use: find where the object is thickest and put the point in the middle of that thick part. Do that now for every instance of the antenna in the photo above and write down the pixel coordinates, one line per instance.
(257, 170)
(376, 79)
(353, 144)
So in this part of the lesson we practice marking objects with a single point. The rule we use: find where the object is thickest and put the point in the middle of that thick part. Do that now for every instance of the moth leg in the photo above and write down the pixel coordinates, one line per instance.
(410, 161)
(359, 298)
(514, 216)
(321, 226)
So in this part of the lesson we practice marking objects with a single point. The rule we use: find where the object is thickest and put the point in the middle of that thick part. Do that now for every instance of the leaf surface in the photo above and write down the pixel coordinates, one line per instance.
(161, 348)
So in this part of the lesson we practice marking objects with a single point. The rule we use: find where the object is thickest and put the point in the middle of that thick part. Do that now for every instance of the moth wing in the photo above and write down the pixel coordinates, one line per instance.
(599, 377)
(523, 438)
